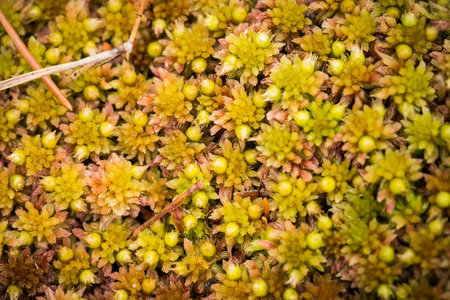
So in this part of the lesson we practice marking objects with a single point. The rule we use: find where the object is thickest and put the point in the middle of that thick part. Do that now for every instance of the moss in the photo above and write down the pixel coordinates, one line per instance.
(97, 76)
(156, 191)
(172, 288)
(232, 289)
(112, 189)
(60, 294)
(7, 194)
(251, 59)
(198, 268)
(115, 237)
(236, 211)
(43, 108)
(13, 63)
(330, 4)
(148, 241)
(51, 8)
(395, 171)
(171, 10)
(292, 206)
(391, 164)
(316, 42)
(411, 85)
(389, 3)
(71, 27)
(69, 184)
(135, 140)
(321, 143)
(298, 83)
(7, 130)
(224, 13)
(182, 182)
(358, 28)
(261, 267)
(205, 7)
(69, 272)
(37, 49)
(372, 273)
(177, 152)
(214, 101)
(442, 62)
(118, 25)
(37, 156)
(127, 94)
(367, 122)
(413, 36)
(238, 109)
(422, 288)
(427, 249)
(238, 174)
(354, 78)
(293, 253)
(364, 237)
(342, 173)
(29, 271)
(323, 287)
(130, 279)
(409, 211)
(167, 100)
(288, 16)
(11, 10)
(3, 226)
(44, 225)
(281, 146)
(360, 205)
(438, 179)
(323, 125)
(189, 43)
(423, 134)
(8, 65)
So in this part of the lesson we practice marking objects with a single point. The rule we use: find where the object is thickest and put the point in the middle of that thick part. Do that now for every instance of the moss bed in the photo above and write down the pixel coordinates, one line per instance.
(312, 138)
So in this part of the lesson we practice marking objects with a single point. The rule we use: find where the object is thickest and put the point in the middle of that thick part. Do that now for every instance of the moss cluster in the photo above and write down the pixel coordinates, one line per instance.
(122, 191)
(288, 17)
(299, 82)
(318, 131)
(72, 24)
(66, 184)
(189, 43)
(45, 225)
(243, 58)
(358, 28)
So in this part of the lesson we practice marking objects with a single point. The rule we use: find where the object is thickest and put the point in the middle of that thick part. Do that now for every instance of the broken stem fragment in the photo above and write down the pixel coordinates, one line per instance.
(137, 21)
(97, 58)
(43, 73)
(33, 63)
(195, 187)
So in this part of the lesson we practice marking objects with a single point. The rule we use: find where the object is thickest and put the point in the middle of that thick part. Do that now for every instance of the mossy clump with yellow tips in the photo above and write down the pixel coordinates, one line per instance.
(241, 149)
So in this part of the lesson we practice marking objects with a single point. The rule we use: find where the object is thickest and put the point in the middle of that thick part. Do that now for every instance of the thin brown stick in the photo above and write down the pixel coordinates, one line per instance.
(93, 60)
(195, 187)
(74, 76)
(137, 21)
(33, 63)
(253, 194)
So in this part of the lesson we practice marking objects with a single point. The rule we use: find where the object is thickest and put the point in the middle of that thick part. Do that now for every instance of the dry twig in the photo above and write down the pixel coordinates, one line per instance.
(137, 21)
(253, 194)
(91, 60)
(32, 62)
(195, 187)
(87, 62)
